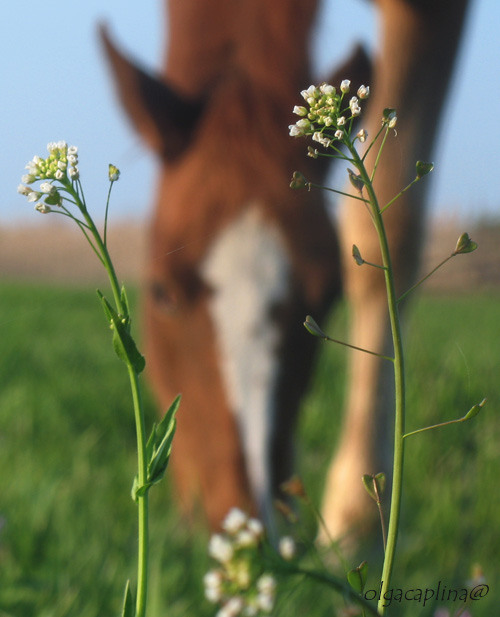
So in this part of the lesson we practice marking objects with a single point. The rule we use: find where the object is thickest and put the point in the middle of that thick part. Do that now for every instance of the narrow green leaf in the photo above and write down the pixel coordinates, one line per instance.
(124, 345)
(162, 444)
(128, 602)
(124, 299)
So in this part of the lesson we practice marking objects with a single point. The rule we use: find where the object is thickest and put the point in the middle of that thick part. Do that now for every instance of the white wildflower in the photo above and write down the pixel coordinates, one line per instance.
(73, 173)
(364, 92)
(48, 188)
(72, 150)
(265, 602)
(362, 135)
(341, 121)
(339, 134)
(255, 527)
(266, 584)
(220, 548)
(345, 86)
(300, 110)
(295, 131)
(327, 89)
(320, 138)
(235, 520)
(43, 208)
(287, 548)
(24, 190)
(34, 196)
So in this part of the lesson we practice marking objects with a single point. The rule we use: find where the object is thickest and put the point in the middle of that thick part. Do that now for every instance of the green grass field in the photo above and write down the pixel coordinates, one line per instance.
(67, 460)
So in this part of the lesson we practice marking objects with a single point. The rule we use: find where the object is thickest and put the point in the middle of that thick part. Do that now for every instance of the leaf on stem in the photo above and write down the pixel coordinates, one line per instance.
(158, 449)
(312, 327)
(357, 577)
(465, 245)
(160, 443)
(128, 603)
(357, 255)
(124, 345)
(423, 169)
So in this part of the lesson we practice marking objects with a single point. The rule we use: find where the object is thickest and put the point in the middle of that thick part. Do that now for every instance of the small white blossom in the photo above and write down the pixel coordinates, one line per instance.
(73, 173)
(34, 196)
(72, 150)
(300, 110)
(255, 527)
(364, 92)
(310, 94)
(328, 121)
(28, 178)
(265, 602)
(43, 208)
(48, 188)
(59, 175)
(327, 89)
(341, 121)
(345, 86)
(72, 159)
(392, 121)
(220, 548)
(245, 538)
(355, 110)
(312, 152)
(266, 584)
(339, 134)
(287, 548)
(362, 135)
(24, 190)
(235, 520)
(295, 131)
(232, 608)
(320, 138)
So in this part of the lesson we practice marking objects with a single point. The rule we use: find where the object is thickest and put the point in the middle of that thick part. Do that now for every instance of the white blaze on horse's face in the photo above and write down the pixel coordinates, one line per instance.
(248, 272)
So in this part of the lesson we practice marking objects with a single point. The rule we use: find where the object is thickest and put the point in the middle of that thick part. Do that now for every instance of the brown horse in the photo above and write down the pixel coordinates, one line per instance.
(237, 259)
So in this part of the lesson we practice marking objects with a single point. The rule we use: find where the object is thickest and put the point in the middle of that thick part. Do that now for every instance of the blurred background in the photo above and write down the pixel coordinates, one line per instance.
(55, 86)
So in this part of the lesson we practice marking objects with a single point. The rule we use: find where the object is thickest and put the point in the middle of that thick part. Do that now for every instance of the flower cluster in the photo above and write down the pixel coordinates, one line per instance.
(61, 165)
(239, 583)
(327, 117)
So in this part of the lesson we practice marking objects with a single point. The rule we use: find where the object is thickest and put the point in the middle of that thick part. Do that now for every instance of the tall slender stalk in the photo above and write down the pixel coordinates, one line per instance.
(399, 379)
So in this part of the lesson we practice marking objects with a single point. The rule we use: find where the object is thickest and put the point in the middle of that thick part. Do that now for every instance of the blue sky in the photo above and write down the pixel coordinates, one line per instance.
(55, 86)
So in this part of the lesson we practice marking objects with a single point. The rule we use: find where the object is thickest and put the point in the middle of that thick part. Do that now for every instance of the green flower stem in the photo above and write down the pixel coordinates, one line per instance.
(422, 280)
(142, 501)
(100, 247)
(326, 188)
(399, 379)
(387, 205)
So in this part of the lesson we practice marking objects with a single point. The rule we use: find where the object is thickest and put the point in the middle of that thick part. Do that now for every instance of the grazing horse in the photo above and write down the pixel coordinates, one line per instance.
(237, 259)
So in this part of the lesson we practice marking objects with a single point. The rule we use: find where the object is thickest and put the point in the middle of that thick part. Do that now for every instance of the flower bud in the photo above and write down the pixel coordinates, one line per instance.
(345, 86)
(114, 173)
